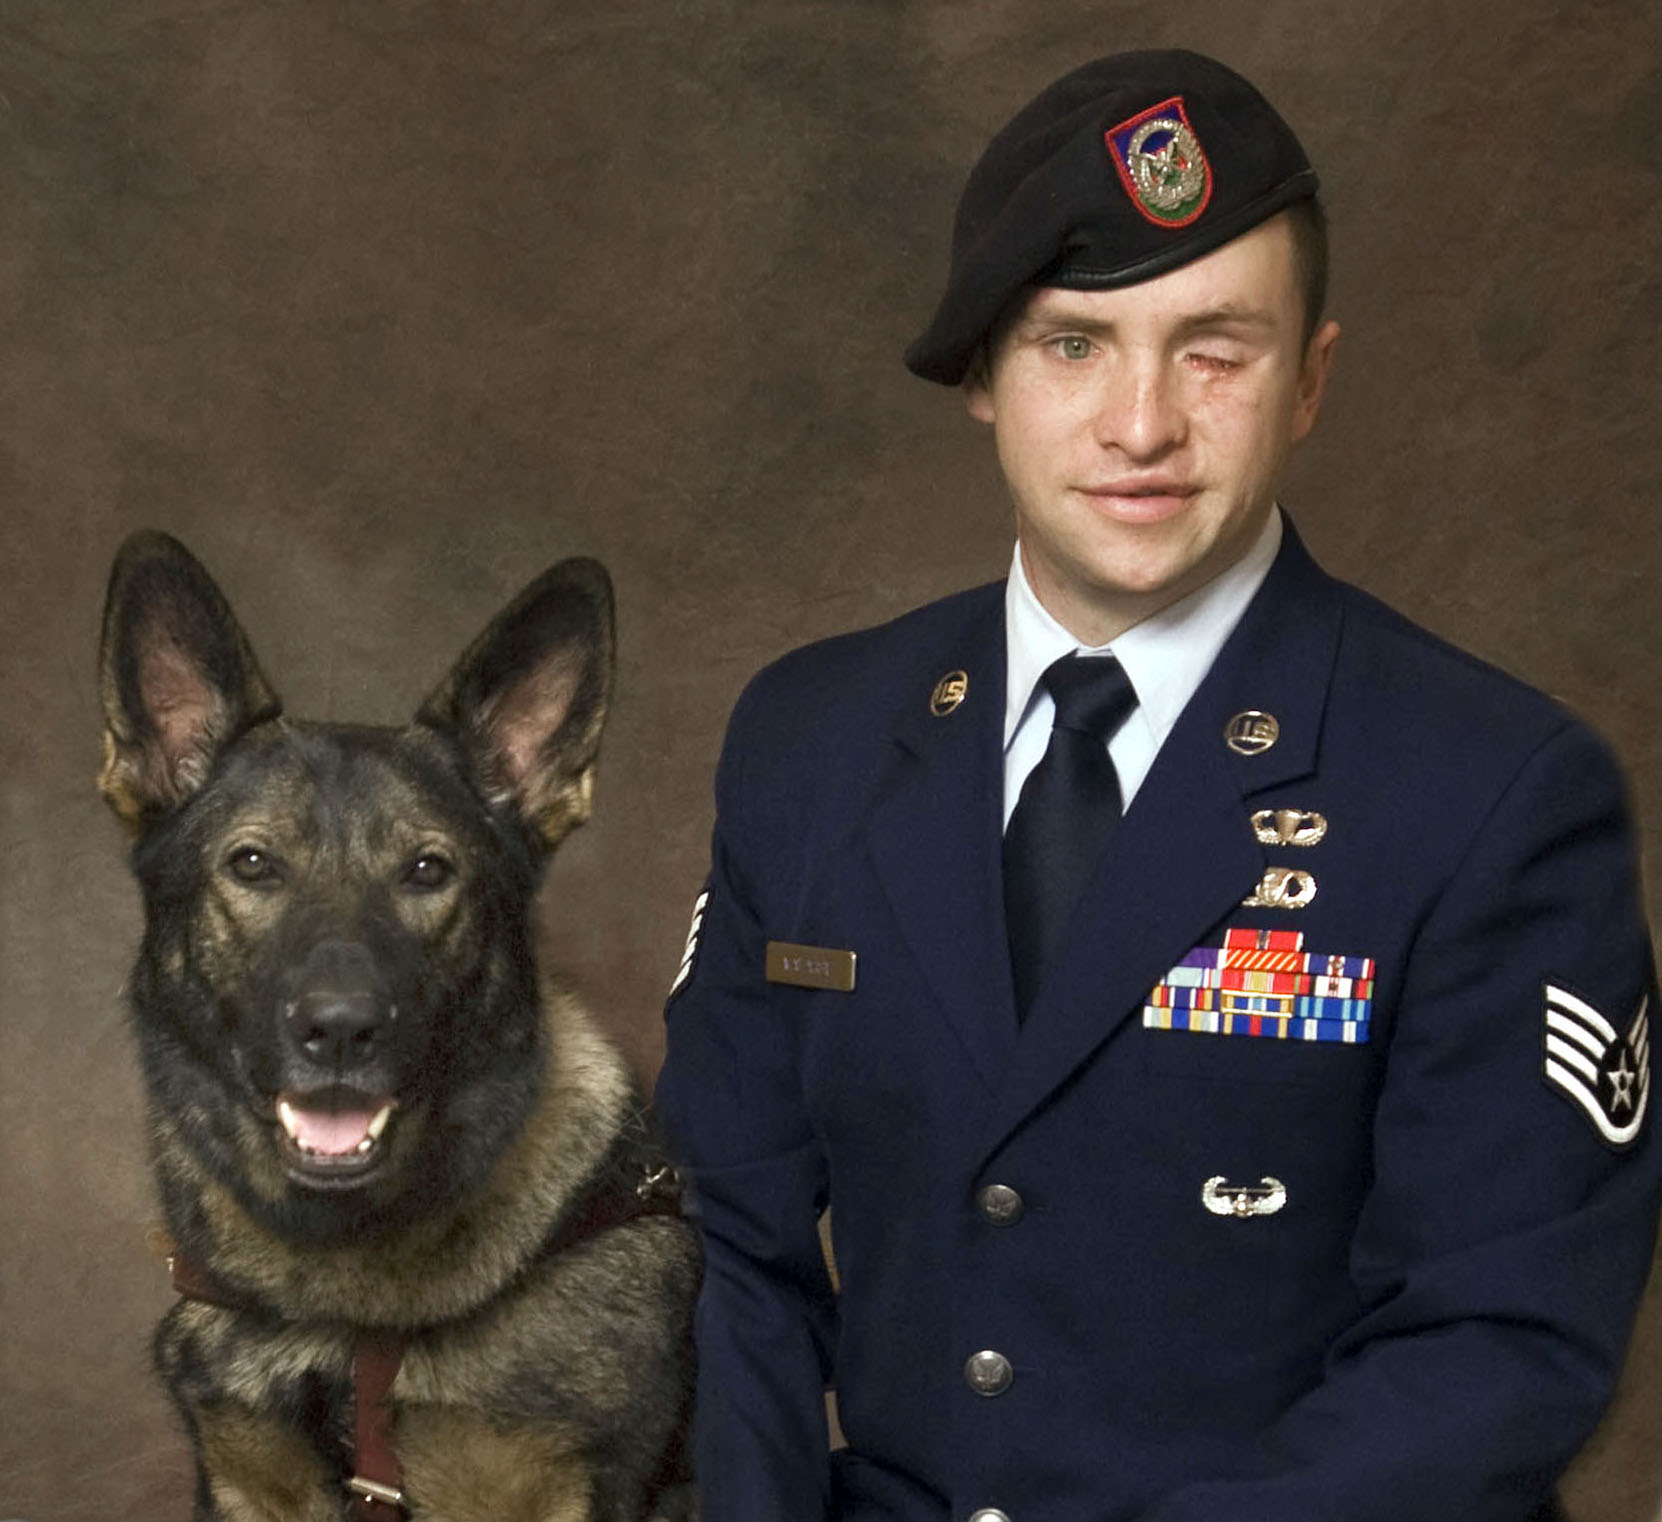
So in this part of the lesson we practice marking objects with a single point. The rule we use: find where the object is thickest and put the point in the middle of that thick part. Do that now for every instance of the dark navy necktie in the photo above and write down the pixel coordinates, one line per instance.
(1068, 808)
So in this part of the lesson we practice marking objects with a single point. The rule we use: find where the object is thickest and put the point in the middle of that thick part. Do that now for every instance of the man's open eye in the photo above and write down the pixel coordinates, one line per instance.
(254, 866)
(1073, 346)
(428, 871)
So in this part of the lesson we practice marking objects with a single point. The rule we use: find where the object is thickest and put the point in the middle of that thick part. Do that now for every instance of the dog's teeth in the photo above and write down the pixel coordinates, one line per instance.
(376, 1127)
(285, 1113)
(366, 1144)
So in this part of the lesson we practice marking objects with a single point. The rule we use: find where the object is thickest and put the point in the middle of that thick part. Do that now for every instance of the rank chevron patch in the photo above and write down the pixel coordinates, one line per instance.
(689, 957)
(1593, 1065)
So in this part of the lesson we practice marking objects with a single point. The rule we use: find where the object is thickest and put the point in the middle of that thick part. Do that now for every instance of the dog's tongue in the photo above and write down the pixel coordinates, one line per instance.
(333, 1132)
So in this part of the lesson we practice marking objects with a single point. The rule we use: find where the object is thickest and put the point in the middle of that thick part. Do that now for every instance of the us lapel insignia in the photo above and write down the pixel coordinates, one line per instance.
(1282, 888)
(1252, 733)
(695, 931)
(1289, 827)
(810, 966)
(1597, 1068)
(949, 692)
(1264, 983)
(1241, 1201)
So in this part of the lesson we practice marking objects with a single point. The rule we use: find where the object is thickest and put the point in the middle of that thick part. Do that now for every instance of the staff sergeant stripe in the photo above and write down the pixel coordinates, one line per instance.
(1582, 1010)
(1577, 1033)
(1605, 1074)
(691, 952)
(1578, 1060)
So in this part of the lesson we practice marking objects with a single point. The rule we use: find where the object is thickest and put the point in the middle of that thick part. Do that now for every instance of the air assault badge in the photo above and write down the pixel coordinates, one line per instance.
(1161, 164)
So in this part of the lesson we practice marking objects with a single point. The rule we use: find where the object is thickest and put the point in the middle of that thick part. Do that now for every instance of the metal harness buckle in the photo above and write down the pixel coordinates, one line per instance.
(664, 1181)
(370, 1490)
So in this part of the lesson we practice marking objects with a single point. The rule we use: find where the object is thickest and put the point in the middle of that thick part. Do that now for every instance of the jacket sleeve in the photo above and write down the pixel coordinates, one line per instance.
(1505, 1238)
(731, 1098)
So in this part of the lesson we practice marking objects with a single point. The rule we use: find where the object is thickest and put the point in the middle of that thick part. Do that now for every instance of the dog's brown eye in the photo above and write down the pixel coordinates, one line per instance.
(429, 870)
(249, 864)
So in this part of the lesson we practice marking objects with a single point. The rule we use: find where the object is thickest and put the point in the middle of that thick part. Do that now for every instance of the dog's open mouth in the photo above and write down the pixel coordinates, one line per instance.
(333, 1135)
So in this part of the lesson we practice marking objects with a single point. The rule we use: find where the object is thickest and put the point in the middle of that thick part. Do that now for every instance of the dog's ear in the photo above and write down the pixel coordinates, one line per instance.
(528, 698)
(177, 678)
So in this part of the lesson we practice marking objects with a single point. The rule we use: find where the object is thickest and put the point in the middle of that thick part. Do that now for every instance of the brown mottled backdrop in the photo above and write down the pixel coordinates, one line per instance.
(384, 304)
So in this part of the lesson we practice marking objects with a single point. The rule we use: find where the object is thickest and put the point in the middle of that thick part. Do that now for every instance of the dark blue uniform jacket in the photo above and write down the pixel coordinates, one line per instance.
(1431, 1322)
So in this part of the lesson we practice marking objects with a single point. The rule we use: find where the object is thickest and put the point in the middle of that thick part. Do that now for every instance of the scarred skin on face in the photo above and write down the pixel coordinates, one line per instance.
(1142, 430)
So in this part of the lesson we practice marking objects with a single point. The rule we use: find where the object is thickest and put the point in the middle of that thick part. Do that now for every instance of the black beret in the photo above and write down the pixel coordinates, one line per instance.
(1126, 168)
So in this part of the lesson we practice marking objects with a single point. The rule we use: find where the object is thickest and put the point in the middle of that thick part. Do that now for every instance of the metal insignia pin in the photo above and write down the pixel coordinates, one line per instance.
(1251, 733)
(1289, 827)
(1221, 1197)
(949, 692)
(1282, 888)
(1161, 164)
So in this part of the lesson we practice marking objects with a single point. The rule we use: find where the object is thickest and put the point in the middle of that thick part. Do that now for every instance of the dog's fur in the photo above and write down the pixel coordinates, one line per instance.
(337, 920)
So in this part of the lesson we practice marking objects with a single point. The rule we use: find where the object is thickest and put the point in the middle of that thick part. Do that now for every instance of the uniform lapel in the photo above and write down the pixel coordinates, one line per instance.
(934, 837)
(1185, 855)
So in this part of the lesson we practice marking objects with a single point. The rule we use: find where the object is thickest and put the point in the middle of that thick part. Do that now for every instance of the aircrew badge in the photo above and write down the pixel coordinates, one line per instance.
(1598, 1068)
(1161, 164)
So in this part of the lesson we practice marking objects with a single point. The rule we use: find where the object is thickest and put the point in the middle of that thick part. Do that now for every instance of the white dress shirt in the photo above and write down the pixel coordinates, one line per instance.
(1166, 657)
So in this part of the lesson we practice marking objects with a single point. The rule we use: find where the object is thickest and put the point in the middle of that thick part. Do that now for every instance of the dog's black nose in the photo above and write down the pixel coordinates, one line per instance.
(336, 1030)
(336, 1015)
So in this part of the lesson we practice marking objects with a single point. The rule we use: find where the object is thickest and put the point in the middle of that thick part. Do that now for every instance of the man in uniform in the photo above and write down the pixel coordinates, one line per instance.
(1213, 1010)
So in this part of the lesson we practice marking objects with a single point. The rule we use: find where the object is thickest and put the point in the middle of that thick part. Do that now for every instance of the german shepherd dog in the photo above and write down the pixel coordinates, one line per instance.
(411, 1188)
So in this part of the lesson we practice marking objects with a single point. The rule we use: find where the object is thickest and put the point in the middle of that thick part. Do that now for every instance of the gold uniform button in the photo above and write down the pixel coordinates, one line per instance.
(988, 1373)
(989, 1514)
(1000, 1205)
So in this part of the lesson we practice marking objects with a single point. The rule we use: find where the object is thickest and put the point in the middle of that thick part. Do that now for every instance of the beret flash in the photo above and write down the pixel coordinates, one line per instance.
(1128, 167)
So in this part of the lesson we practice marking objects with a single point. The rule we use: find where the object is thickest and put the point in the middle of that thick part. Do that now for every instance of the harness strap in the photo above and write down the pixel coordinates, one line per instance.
(191, 1282)
(377, 1482)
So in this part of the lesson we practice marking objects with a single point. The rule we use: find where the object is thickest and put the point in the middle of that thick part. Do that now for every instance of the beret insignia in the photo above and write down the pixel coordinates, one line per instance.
(1161, 164)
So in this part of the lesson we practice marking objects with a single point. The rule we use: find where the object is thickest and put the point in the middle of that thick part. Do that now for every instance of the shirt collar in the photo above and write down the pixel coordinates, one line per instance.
(1166, 655)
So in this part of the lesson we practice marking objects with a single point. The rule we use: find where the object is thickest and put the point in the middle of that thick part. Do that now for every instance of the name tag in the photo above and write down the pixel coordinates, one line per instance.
(810, 966)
